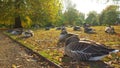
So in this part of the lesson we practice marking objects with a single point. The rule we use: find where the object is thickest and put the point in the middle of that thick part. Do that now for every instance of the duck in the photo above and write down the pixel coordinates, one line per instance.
(86, 50)
(76, 28)
(109, 29)
(28, 33)
(64, 35)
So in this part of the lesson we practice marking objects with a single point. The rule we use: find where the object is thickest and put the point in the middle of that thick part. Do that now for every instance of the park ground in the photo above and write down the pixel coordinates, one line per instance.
(13, 55)
(45, 43)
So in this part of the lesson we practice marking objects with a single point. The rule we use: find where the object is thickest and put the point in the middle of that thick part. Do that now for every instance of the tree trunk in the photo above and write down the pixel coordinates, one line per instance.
(18, 23)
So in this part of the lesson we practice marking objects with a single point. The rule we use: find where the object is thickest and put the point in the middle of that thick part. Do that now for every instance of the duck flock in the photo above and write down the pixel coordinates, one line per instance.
(84, 50)
(74, 47)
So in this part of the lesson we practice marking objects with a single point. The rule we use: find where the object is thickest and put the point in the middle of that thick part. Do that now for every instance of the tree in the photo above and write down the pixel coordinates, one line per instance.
(44, 11)
(109, 15)
(81, 19)
(92, 18)
(48, 13)
(60, 21)
(72, 16)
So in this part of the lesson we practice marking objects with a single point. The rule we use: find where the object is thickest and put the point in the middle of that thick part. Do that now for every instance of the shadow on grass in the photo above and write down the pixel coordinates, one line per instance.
(67, 63)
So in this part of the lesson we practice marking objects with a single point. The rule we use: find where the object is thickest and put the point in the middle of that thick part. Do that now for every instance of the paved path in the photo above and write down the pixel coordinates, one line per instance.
(14, 56)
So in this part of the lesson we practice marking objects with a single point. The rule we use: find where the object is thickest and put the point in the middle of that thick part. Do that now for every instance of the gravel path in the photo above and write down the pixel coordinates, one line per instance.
(14, 56)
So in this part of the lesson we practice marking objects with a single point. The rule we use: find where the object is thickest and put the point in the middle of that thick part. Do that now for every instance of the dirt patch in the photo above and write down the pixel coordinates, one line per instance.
(14, 56)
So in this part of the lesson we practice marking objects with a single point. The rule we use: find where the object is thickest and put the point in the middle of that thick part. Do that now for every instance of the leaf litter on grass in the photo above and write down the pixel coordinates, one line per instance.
(46, 42)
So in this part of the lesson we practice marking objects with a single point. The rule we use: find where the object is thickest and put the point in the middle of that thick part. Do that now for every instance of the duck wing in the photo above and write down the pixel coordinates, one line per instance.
(99, 48)
(87, 47)
(86, 51)
(82, 56)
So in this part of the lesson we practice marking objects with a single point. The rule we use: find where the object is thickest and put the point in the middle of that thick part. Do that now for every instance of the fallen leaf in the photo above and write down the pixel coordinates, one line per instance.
(14, 66)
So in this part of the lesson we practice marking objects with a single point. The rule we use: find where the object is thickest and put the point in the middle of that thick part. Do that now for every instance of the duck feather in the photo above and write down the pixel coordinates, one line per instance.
(82, 50)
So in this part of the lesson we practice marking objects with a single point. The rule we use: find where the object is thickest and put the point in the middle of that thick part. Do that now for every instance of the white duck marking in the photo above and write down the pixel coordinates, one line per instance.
(115, 51)
(97, 58)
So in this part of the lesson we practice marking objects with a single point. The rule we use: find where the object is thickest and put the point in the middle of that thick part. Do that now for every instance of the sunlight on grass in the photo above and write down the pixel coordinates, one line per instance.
(45, 42)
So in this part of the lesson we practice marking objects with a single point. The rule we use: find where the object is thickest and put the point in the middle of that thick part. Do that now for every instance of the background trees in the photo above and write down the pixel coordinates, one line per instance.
(40, 12)
(72, 15)
(25, 13)
(93, 18)
(109, 15)
(81, 19)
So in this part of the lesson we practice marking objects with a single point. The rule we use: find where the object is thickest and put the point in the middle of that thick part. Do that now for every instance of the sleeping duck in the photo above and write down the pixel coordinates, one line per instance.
(86, 50)
(28, 33)
(109, 29)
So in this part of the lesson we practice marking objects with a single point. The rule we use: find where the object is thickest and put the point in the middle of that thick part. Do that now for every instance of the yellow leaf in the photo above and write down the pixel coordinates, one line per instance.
(14, 66)
(110, 56)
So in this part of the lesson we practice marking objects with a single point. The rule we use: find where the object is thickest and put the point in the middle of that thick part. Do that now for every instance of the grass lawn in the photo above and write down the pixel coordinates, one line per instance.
(45, 42)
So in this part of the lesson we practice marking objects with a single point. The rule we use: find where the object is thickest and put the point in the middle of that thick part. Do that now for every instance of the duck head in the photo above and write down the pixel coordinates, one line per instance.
(71, 39)
(64, 32)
